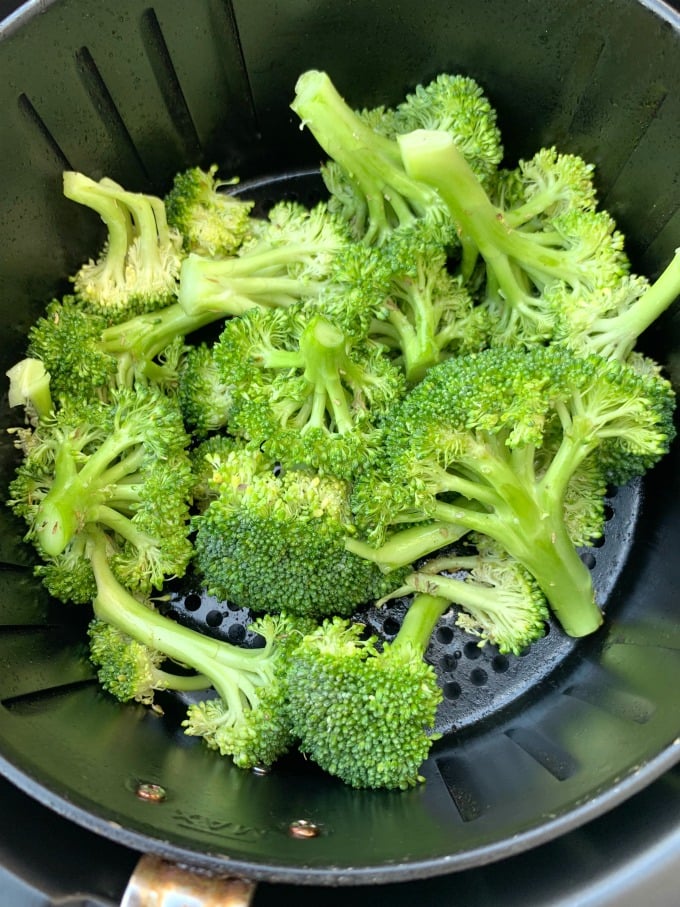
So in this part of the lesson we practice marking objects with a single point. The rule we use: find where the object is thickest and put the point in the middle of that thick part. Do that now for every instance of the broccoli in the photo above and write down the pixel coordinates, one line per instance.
(287, 260)
(211, 221)
(121, 466)
(138, 268)
(130, 670)
(273, 539)
(205, 397)
(424, 312)
(365, 176)
(491, 442)
(609, 320)
(247, 720)
(581, 249)
(29, 386)
(365, 715)
(373, 193)
(302, 391)
(502, 603)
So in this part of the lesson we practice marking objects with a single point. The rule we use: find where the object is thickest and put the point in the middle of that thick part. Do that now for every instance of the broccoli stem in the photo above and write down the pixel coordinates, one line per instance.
(322, 348)
(229, 668)
(433, 157)
(371, 161)
(406, 546)
(615, 337)
(418, 625)
(145, 336)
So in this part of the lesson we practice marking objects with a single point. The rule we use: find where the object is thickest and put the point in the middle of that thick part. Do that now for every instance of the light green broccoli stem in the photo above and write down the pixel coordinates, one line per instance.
(408, 545)
(418, 625)
(230, 669)
(29, 386)
(145, 336)
(85, 191)
(226, 287)
(615, 337)
(371, 161)
(432, 156)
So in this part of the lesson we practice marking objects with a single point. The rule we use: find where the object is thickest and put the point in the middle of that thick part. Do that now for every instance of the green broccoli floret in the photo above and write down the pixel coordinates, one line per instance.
(303, 391)
(366, 178)
(211, 221)
(248, 719)
(273, 539)
(581, 249)
(121, 466)
(425, 313)
(502, 603)
(364, 715)
(130, 670)
(138, 268)
(205, 397)
(609, 320)
(491, 442)
(288, 260)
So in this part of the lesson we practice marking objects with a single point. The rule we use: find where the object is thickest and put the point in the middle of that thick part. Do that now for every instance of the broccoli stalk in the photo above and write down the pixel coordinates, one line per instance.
(579, 248)
(247, 721)
(363, 715)
(29, 386)
(138, 268)
(386, 197)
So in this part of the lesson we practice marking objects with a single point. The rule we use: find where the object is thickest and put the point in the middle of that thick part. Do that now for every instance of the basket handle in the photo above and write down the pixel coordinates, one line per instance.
(159, 883)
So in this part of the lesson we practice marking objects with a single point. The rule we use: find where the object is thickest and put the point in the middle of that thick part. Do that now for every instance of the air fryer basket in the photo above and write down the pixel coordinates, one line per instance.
(534, 745)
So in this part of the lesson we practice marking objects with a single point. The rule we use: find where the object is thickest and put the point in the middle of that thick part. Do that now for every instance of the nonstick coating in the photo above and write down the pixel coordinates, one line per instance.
(534, 745)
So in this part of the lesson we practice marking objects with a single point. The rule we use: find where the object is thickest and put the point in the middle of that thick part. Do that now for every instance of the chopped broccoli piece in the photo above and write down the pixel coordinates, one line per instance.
(302, 391)
(29, 386)
(130, 670)
(364, 715)
(205, 397)
(491, 442)
(138, 268)
(211, 221)
(274, 539)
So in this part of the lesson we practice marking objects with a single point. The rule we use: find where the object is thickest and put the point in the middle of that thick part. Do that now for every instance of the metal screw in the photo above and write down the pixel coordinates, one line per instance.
(150, 792)
(303, 829)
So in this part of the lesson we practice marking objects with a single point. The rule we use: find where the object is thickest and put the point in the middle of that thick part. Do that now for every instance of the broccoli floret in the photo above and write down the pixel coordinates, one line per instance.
(364, 715)
(138, 268)
(609, 320)
(288, 260)
(302, 391)
(205, 397)
(121, 466)
(130, 670)
(274, 539)
(211, 221)
(425, 312)
(501, 601)
(248, 720)
(491, 441)
(581, 249)
(366, 178)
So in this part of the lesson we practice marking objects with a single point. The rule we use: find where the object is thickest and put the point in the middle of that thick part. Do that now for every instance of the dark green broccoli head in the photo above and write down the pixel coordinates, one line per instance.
(273, 540)
(364, 716)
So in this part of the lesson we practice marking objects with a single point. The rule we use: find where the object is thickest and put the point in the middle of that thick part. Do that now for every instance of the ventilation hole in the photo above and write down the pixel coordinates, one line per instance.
(589, 559)
(192, 602)
(472, 650)
(448, 663)
(608, 512)
(214, 618)
(478, 677)
(598, 542)
(236, 633)
(444, 635)
(500, 664)
(233, 607)
(29, 111)
(452, 690)
(390, 626)
(525, 651)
